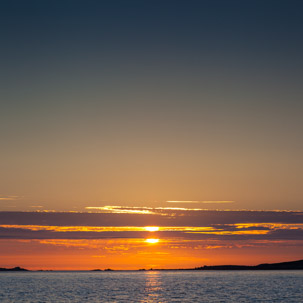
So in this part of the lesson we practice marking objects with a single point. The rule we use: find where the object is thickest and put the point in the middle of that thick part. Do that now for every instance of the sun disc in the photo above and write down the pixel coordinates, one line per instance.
(151, 228)
(152, 241)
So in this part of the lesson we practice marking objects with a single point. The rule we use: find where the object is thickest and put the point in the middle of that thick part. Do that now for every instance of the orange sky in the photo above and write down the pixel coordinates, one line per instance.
(136, 254)
(118, 241)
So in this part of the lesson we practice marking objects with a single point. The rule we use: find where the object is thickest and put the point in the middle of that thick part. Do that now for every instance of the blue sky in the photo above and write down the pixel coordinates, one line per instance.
(140, 102)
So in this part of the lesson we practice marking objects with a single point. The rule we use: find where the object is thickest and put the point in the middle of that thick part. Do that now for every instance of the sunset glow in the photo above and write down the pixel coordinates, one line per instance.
(214, 237)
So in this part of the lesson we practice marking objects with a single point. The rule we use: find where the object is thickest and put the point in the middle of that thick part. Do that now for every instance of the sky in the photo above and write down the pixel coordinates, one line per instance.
(148, 107)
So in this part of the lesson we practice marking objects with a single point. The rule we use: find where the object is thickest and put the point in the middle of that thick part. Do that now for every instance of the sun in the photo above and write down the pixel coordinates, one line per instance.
(151, 228)
(152, 241)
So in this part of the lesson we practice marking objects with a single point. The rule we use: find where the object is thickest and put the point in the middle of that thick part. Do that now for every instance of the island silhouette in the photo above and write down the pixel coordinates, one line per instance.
(291, 265)
(13, 269)
(265, 266)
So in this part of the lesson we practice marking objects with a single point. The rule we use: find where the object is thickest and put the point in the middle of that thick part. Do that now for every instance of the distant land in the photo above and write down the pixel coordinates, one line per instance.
(292, 265)
(266, 266)
(13, 269)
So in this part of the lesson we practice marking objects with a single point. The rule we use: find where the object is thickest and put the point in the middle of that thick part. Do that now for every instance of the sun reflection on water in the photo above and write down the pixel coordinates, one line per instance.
(153, 286)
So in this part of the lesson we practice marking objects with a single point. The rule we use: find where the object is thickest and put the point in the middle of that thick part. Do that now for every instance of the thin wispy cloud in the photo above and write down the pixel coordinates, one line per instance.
(194, 201)
(10, 198)
(138, 210)
(122, 209)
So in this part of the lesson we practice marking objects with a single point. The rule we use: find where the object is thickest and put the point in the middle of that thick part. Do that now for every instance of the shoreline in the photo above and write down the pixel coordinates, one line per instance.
(291, 265)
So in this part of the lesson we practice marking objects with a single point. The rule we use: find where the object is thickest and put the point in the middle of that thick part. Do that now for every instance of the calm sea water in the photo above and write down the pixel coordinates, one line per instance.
(152, 286)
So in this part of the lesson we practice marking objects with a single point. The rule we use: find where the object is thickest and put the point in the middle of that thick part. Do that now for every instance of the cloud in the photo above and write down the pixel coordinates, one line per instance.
(10, 198)
(174, 217)
(205, 202)
(183, 225)
(122, 209)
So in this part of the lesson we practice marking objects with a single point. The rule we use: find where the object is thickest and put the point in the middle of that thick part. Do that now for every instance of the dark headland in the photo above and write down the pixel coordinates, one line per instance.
(13, 269)
(292, 265)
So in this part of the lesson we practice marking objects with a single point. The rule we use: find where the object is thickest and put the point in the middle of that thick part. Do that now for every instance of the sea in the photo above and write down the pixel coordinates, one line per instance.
(152, 286)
